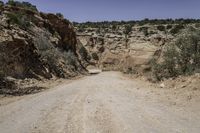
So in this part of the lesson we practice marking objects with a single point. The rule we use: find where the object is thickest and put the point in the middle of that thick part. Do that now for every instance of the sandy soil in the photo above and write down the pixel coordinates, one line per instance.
(103, 103)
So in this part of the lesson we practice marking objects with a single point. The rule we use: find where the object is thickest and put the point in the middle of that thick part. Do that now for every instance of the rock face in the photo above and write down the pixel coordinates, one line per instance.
(64, 28)
(19, 58)
(115, 50)
(37, 45)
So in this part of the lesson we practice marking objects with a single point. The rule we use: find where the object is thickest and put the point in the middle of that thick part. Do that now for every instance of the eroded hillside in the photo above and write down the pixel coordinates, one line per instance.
(129, 46)
(36, 45)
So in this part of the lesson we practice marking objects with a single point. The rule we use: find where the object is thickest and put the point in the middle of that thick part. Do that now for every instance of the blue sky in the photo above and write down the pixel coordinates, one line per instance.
(100, 10)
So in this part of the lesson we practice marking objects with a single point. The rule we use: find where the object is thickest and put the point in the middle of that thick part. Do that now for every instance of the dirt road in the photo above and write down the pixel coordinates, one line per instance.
(103, 103)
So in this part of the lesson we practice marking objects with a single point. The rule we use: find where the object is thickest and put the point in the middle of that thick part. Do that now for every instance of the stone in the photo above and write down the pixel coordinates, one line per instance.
(162, 85)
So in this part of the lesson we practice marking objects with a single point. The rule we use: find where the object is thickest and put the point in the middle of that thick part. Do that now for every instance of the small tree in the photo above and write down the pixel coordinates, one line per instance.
(161, 28)
(177, 29)
(144, 30)
(169, 26)
(19, 19)
(1, 3)
(60, 15)
(127, 30)
(114, 27)
(25, 5)
(11, 2)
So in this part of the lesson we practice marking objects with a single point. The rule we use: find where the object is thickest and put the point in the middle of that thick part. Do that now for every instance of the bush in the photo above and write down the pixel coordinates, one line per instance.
(25, 5)
(182, 57)
(169, 26)
(197, 25)
(114, 27)
(1, 73)
(128, 29)
(152, 32)
(60, 15)
(84, 53)
(144, 30)
(19, 19)
(161, 28)
(1, 3)
(95, 56)
(177, 29)
(59, 61)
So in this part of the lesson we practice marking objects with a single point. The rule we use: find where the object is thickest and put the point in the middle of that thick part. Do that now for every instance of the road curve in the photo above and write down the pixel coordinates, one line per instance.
(103, 103)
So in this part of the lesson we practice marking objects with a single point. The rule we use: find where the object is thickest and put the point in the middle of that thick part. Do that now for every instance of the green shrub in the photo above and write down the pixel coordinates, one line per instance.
(152, 32)
(144, 30)
(197, 25)
(169, 26)
(177, 29)
(1, 3)
(95, 56)
(182, 57)
(127, 29)
(114, 27)
(25, 5)
(84, 53)
(60, 15)
(20, 19)
(1, 73)
(161, 28)
(58, 61)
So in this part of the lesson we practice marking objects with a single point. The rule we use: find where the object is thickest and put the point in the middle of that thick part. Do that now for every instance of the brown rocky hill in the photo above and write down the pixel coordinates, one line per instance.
(37, 45)
(126, 47)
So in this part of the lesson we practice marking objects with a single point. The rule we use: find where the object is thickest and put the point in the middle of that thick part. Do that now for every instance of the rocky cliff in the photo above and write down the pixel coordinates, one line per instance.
(128, 47)
(37, 45)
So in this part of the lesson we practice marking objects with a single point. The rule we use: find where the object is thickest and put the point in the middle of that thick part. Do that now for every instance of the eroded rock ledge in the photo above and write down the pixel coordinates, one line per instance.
(36, 45)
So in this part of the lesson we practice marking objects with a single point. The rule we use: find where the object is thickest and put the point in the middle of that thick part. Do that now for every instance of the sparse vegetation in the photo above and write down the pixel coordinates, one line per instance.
(106, 24)
(114, 27)
(60, 15)
(161, 28)
(1, 3)
(197, 25)
(144, 30)
(169, 26)
(181, 57)
(84, 53)
(127, 29)
(177, 29)
(95, 56)
(25, 5)
(20, 19)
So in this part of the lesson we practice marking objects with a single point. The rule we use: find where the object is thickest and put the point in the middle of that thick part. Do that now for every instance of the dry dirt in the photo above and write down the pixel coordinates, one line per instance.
(103, 103)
